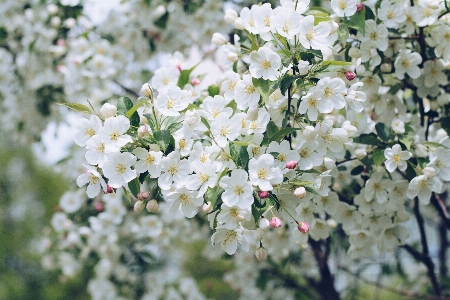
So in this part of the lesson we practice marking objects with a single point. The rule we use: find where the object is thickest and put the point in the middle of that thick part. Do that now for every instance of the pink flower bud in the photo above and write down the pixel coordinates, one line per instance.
(275, 222)
(139, 206)
(261, 254)
(152, 206)
(179, 68)
(303, 227)
(143, 195)
(359, 7)
(195, 81)
(291, 165)
(300, 192)
(263, 194)
(98, 206)
(350, 75)
(109, 189)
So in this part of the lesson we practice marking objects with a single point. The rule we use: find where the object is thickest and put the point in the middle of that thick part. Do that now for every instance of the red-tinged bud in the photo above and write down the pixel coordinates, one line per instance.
(143, 195)
(98, 206)
(350, 75)
(291, 165)
(263, 194)
(195, 81)
(275, 222)
(300, 192)
(109, 189)
(179, 68)
(303, 227)
(359, 7)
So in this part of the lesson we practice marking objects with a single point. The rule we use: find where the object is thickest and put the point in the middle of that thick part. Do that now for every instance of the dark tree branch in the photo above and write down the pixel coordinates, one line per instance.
(127, 90)
(440, 206)
(326, 284)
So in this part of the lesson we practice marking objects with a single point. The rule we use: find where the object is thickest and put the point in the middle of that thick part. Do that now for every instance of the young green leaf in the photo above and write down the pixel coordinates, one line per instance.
(77, 107)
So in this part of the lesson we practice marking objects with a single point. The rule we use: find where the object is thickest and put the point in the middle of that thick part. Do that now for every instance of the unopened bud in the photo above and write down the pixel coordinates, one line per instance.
(429, 172)
(239, 24)
(108, 110)
(139, 206)
(98, 206)
(360, 153)
(261, 254)
(152, 206)
(230, 16)
(52, 9)
(143, 131)
(332, 223)
(207, 207)
(147, 90)
(264, 223)
(218, 39)
(300, 192)
(359, 7)
(386, 68)
(55, 21)
(143, 120)
(109, 189)
(303, 67)
(275, 222)
(232, 56)
(263, 194)
(303, 227)
(350, 75)
(195, 81)
(354, 52)
(70, 23)
(143, 195)
(291, 165)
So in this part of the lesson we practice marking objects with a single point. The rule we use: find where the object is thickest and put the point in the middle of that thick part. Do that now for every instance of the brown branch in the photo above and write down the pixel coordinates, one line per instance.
(443, 250)
(127, 90)
(440, 206)
(403, 38)
(326, 284)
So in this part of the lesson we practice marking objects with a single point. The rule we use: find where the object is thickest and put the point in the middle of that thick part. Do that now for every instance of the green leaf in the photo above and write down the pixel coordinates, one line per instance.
(271, 129)
(212, 194)
(357, 21)
(132, 110)
(245, 141)
(205, 122)
(124, 104)
(301, 183)
(262, 86)
(279, 136)
(407, 140)
(242, 157)
(369, 13)
(259, 209)
(357, 170)
(286, 83)
(383, 131)
(77, 107)
(378, 157)
(343, 34)
(445, 124)
(368, 139)
(163, 138)
(433, 144)
(162, 21)
(213, 90)
(311, 190)
(134, 186)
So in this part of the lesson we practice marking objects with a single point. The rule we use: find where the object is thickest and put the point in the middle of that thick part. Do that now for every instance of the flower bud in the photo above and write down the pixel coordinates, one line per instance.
(329, 163)
(218, 39)
(239, 24)
(108, 110)
(230, 16)
(109, 189)
(143, 195)
(300, 192)
(152, 206)
(386, 68)
(398, 126)
(98, 206)
(303, 67)
(359, 7)
(429, 172)
(421, 150)
(70, 23)
(232, 56)
(303, 227)
(55, 21)
(195, 81)
(52, 9)
(261, 254)
(263, 194)
(143, 120)
(350, 75)
(275, 222)
(360, 153)
(143, 131)
(147, 90)
(207, 207)
(354, 52)
(159, 11)
(139, 206)
(264, 223)
(332, 223)
(291, 165)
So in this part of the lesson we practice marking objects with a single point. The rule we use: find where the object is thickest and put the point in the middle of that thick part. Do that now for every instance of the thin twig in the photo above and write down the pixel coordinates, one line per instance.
(128, 90)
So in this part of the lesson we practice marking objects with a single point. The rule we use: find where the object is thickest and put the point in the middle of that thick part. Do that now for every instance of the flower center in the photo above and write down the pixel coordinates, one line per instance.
(182, 143)
(203, 157)
(238, 189)
(230, 236)
(184, 199)
(406, 63)
(249, 89)
(262, 173)
(281, 157)
(396, 158)
(373, 35)
(170, 103)
(149, 159)
(173, 169)
(342, 4)
(253, 125)
(92, 179)
(120, 169)
(287, 26)
(267, 21)
(265, 64)
(202, 177)
(310, 35)
(100, 148)
(224, 131)
(89, 131)
(215, 112)
(114, 135)
(328, 92)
